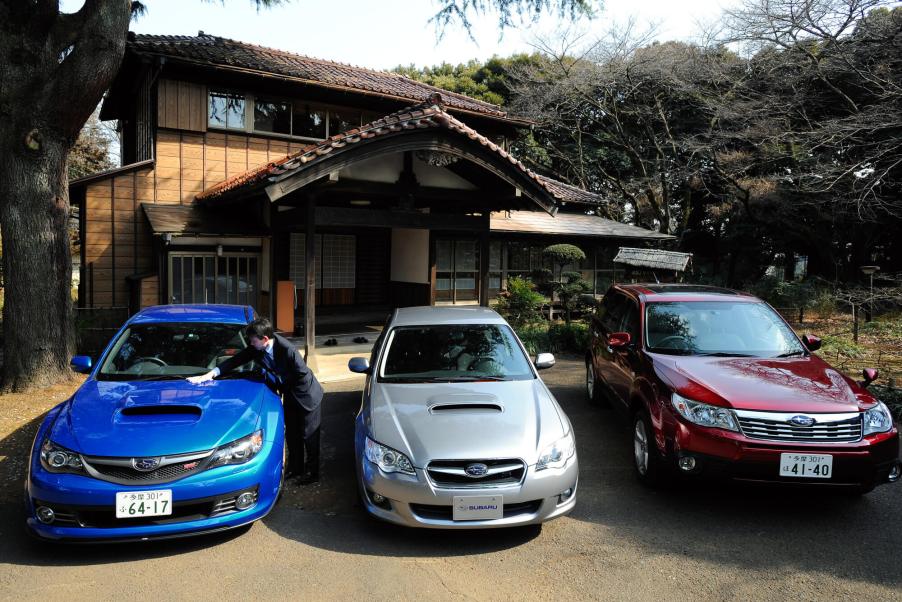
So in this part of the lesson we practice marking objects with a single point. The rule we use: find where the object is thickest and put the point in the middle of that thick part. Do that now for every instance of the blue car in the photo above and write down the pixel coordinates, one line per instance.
(139, 453)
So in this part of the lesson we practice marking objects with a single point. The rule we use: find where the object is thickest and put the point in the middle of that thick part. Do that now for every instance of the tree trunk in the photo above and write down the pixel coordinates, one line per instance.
(37, 310)
(54, 69)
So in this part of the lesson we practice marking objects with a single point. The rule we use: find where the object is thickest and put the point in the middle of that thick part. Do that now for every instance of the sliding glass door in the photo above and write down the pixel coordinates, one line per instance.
(232, 278)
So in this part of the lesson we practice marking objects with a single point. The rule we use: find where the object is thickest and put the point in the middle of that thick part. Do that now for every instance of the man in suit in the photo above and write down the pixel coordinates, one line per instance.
(301, 393)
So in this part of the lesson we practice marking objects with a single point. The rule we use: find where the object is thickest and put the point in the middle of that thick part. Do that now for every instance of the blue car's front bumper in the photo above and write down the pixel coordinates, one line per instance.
(85, 507)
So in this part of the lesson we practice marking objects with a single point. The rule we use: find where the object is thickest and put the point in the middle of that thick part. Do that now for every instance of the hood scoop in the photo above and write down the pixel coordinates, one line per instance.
(158, 413)
(472, 407)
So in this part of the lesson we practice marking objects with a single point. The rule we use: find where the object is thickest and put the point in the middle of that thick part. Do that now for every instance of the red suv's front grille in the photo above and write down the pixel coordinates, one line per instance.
(779, 426)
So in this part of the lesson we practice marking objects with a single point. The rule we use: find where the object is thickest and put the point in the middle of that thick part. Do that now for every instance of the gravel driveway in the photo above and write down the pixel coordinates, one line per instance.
(621, 541)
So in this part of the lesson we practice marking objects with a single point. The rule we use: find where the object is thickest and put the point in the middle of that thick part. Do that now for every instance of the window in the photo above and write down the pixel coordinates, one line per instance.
(208, 278)
(457, 270)
(453, 352)
(226, 110)
(272, 116)
(342, 121)
(336, 260)
(308, 121)
(278, 116)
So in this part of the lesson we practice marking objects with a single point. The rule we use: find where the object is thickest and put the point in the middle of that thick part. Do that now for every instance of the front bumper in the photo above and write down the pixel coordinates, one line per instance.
(414, 501)
(720, 453)
(85, 507)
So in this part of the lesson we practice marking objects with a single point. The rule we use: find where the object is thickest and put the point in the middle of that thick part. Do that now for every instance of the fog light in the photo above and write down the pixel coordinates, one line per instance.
(687, 463)
(46, 515)
(246, 500)
(565, 494)
(378, 499)
(894, 473)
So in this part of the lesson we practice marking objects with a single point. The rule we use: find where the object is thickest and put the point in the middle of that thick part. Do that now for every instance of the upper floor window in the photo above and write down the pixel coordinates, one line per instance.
(278, 116)
(272, 116)
(226, 110)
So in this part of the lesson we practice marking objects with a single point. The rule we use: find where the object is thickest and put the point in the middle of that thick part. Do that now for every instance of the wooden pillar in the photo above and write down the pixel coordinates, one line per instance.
(484, 263)
(310, 285)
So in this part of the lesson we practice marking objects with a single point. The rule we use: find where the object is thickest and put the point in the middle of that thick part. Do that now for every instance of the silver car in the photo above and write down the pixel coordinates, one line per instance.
(456, 429)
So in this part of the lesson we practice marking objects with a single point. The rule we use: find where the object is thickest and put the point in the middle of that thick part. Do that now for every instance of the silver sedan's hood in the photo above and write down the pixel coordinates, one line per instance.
(507, 419)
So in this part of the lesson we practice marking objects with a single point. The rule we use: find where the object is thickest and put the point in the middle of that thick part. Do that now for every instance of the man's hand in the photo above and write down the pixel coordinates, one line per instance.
(202, 378)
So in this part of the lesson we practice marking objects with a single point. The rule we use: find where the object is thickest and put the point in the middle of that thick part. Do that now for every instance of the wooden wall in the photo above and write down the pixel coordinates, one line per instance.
(117, 235)
(181, 105)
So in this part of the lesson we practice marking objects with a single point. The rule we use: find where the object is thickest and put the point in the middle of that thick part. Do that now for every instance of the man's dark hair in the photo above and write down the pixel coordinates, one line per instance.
(261, 327)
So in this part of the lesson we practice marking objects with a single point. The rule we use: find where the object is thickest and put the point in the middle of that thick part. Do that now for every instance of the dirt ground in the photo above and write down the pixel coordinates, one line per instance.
(623, 542)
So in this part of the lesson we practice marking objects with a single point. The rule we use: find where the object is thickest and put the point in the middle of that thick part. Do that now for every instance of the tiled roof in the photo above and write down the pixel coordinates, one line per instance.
(427, 115)
(569, 224)
(571, 194)
(653, 258)
(223, 52)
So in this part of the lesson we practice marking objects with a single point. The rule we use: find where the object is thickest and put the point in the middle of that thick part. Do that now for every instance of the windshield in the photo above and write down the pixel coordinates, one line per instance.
(457, 352)
(160, 351)
(718, 328)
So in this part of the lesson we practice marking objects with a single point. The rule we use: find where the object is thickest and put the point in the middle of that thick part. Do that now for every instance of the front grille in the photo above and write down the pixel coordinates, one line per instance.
(452, 474)
(432, 512)
(121, 471)
(776, 426)
(104, 517)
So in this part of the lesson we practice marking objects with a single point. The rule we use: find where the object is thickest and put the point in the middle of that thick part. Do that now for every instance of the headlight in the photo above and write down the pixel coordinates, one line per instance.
(56, 458)
(878, 419)
(238, 451)
(558, 453)
(703, 414)
(388, 459)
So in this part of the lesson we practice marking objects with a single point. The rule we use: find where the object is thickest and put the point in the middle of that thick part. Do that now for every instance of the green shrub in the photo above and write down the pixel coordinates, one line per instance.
(555, 338)
(520, 304)
(891, 397)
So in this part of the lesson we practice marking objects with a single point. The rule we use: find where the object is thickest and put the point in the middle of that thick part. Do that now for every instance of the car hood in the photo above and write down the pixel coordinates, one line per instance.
(509, 419)
(157, 418)
(798, 384)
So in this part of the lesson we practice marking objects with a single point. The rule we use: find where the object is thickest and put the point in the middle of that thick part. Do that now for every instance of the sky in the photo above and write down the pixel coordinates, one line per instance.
(381, 34)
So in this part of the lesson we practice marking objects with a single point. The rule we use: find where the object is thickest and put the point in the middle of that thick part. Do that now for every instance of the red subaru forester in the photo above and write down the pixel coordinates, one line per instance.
(716, 383)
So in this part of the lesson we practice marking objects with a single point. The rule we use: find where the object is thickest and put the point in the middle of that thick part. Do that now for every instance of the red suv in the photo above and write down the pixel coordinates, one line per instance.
(716, 383)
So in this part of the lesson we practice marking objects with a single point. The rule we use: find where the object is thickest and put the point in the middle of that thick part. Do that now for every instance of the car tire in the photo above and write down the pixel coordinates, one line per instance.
(594, 392)
(648, 463)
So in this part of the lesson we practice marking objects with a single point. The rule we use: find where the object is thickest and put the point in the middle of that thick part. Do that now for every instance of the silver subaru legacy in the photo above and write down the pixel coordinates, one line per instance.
(456, 429)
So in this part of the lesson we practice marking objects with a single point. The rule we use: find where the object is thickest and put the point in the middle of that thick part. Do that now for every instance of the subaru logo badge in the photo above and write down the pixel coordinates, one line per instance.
(476, 470)
(802, 420)
(145, 464)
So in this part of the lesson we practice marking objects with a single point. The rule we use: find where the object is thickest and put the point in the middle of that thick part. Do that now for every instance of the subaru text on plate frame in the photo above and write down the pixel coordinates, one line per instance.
(139, 453)
(456, 429)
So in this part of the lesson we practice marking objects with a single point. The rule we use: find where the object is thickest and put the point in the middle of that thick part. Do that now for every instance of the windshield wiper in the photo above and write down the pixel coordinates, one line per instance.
(671, 351)
(726, 354)
(160, 377)
(472, 378)
(791, 353)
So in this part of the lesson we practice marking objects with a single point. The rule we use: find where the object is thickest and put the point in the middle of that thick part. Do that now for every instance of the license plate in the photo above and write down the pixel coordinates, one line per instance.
(485, 507)
(808, 466)
(135, 504)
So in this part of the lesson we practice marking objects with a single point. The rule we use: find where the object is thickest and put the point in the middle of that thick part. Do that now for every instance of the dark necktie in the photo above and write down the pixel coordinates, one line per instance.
(269, 364)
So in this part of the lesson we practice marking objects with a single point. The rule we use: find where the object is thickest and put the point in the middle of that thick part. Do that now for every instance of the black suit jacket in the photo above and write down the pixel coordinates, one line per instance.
(298, 382)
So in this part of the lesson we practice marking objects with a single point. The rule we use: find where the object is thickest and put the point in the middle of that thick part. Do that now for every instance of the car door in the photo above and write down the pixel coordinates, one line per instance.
(625, 360)
(603, 325)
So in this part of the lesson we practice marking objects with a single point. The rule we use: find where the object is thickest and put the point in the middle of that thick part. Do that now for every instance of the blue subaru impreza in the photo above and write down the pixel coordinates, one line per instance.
(139, 453)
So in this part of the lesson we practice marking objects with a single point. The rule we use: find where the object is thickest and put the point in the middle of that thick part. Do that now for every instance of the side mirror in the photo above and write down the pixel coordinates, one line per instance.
(870, 375)
(619, 340)
(544, 361)
(360, 365)
(81, 364)
(812, 342)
